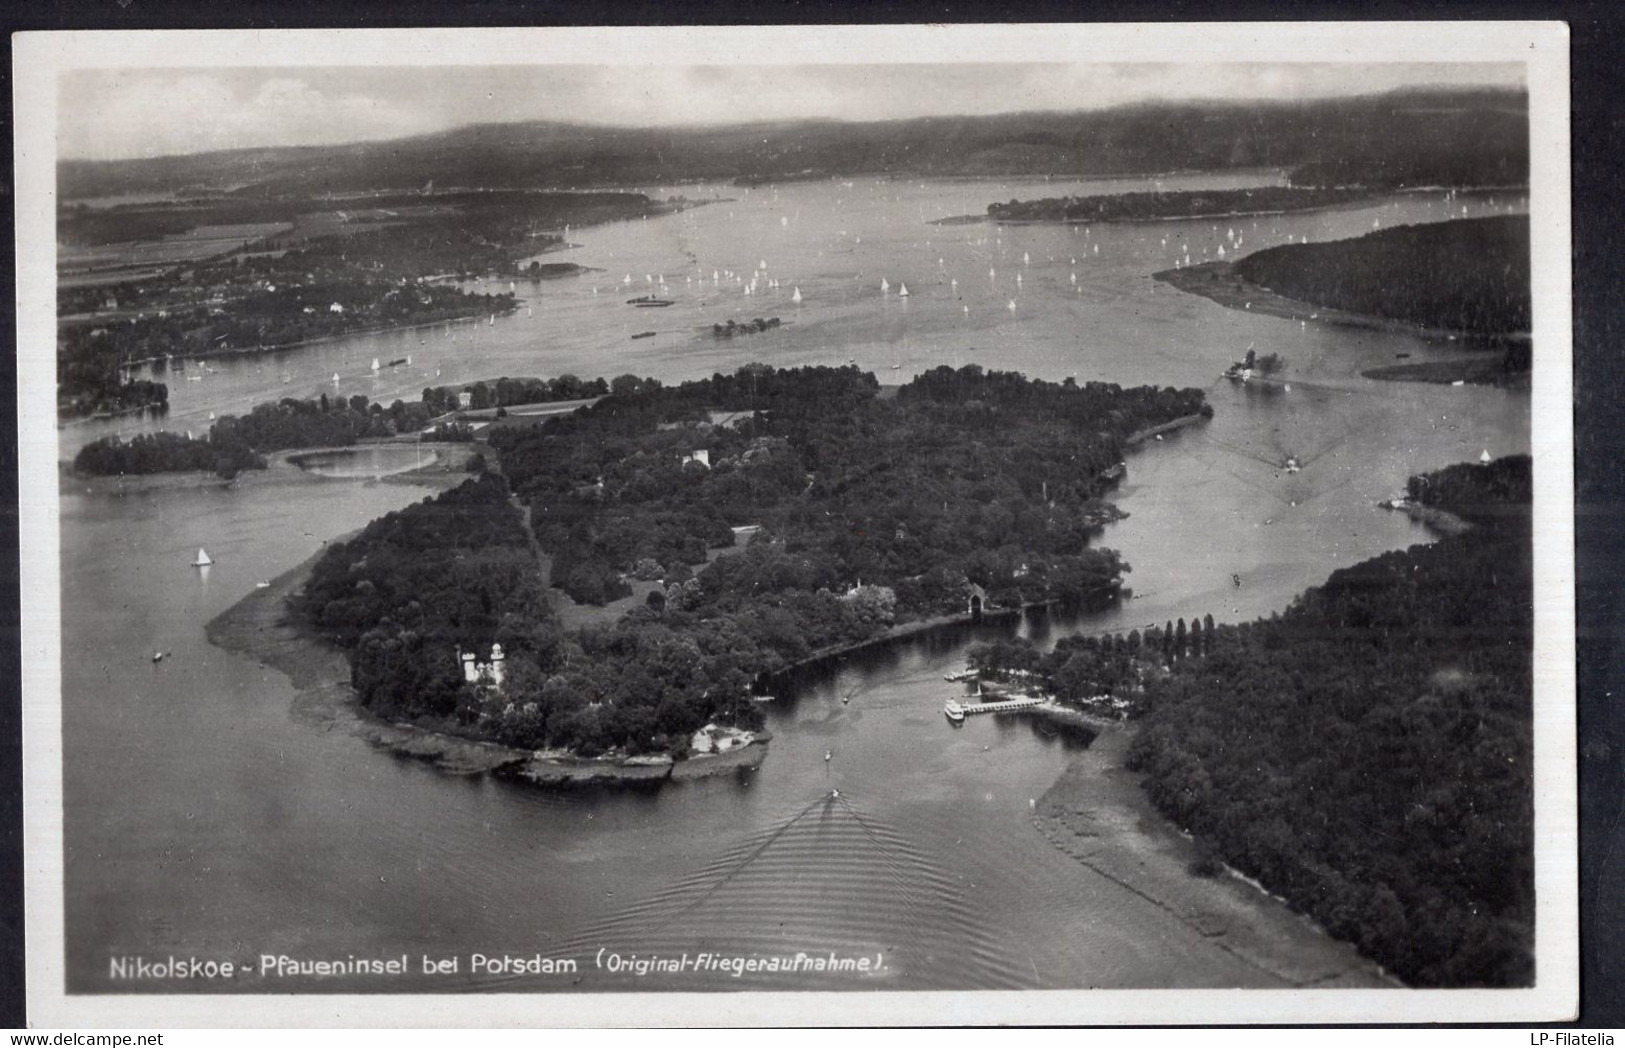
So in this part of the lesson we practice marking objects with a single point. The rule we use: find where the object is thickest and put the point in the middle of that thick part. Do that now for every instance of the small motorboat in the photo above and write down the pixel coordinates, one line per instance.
(159, 656)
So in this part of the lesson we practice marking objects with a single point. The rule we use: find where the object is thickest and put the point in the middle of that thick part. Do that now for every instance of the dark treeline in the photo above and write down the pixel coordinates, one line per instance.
(1367, 754)
(1104, 673)
(233, 442)
(1130, 207)
(263, 315)
(1486, 167)
(749, 327)
(967, 477)
(1475, 490)
(1398, 129)
(451, 572)
(1469, 275)
(92, 387)
(872, 512)
(455, 574)
(512, 392)
(166, 453)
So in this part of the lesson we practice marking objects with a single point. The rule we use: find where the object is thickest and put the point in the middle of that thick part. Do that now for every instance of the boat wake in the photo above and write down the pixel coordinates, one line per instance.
(829, 879)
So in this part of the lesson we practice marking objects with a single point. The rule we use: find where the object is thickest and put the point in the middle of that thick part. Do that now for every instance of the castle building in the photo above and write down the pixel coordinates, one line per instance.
(477, 672)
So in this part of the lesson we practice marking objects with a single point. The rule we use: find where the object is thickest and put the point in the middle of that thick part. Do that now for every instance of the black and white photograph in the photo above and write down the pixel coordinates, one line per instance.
(663, 525)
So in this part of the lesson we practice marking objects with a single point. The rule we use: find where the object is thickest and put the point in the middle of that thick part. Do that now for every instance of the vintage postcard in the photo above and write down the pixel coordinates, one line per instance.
(1001, 524)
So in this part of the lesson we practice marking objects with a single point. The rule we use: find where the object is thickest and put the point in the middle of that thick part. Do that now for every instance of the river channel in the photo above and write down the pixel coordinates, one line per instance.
(209, 814)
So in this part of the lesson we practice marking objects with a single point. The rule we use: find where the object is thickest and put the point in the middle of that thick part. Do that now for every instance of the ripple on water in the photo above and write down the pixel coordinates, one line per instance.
(829, 878)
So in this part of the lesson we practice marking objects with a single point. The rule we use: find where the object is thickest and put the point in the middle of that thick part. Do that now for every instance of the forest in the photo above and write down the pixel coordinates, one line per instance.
(233, 442)
(1103, 674)
(871, 512)
(456, 573)
(91, 386)
(1469, 275)
(166, 453)
(1367, 754)
(512, 392)
(967, 475)
(1135, 207)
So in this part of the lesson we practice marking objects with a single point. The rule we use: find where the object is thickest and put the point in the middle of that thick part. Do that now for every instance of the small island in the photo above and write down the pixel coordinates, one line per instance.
(749, 327)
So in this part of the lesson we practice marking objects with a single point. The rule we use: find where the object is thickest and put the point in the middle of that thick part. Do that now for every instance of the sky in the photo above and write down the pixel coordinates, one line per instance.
(122, 113)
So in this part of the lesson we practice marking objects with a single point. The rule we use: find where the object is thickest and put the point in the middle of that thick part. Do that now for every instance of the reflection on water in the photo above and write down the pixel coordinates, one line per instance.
(209, 813)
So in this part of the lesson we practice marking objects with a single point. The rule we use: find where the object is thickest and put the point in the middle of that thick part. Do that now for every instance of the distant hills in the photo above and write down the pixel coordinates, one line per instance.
(1455, 136)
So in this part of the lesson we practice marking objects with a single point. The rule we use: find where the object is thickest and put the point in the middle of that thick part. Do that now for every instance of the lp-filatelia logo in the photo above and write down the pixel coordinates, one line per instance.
(1565, 1039)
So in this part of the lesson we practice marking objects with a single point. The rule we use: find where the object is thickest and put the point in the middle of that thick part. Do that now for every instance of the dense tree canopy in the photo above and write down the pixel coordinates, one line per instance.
(235, 443)
(868, 513)
(1468, 274)
(1368, 753)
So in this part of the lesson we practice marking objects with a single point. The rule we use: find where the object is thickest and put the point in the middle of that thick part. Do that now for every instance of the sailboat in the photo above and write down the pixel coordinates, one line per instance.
(797, 296)
(885, 285)
(203, 559)
(375, 364)
(902, 291)
(335, 378)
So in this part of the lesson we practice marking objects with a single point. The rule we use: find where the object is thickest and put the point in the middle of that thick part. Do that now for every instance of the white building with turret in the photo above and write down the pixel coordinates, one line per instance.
(486, 673)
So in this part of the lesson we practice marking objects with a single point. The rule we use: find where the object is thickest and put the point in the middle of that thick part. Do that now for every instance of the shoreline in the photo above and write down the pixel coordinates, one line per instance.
(258, 627)
(1139, 437)
(1442, 521)
(450, 458)
(1097, 813)
(1218, 282)
(247, 351)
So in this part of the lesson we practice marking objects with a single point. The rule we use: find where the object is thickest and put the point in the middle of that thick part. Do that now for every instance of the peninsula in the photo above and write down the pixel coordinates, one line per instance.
(1464, 281)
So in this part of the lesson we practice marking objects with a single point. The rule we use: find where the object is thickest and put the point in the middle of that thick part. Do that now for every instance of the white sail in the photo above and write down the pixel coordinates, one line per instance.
(203, 559)
(375, 364)
(797, 296)
(885, 285)
(903, 291)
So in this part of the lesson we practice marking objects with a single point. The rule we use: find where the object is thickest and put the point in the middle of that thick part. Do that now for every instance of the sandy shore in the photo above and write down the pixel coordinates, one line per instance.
(1442, 521)
(1097, 813)
(1135, 439)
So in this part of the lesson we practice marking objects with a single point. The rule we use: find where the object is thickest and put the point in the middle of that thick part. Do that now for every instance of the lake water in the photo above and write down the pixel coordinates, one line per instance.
(367, 463)
(207, 815)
